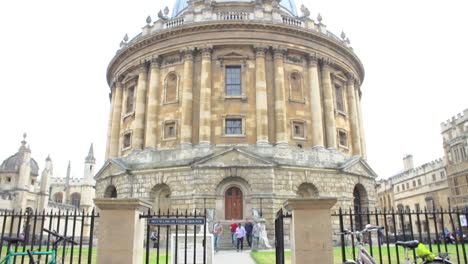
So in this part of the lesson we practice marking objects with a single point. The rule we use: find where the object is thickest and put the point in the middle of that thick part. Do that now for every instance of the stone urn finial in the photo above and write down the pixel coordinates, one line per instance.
(148, 20)
(343, 35)
(319, 18)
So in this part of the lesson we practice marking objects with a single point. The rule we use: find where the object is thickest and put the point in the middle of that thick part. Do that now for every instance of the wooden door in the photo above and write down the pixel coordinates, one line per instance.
(234, 206)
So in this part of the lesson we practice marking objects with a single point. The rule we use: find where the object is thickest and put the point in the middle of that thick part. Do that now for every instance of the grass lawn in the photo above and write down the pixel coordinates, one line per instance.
(269, 257)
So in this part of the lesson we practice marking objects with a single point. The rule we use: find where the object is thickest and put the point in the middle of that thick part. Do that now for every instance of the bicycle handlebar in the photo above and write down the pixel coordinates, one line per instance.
(60, 237)
(357, 232)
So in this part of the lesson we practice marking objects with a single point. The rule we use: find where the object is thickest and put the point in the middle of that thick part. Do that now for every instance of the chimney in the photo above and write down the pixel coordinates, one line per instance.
(408, 162)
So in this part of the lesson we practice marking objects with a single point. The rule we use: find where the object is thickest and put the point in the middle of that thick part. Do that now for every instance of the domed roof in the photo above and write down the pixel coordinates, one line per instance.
(13, 163)
(182, 4)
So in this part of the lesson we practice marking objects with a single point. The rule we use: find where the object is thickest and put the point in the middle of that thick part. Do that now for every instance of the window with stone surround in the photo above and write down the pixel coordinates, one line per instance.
(233, 81)
(398, 188)
(442, 174)
(433, 177)
(170, 130)
(343, 138)
(298, 129)
(234, 125)
(75, 199)
(171, 88)
(296, 87)
(129, 100)
(419, 182)
(339, 101)
(127, 140)
(58, 197)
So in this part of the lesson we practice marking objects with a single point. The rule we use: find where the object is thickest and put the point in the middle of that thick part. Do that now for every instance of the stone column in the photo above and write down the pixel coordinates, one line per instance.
(151, 111)
(205, 96)
(311, 219)
(328, 105)
(361, 125)
(353, 116)
(280, 98)
(109, 125)
(138, 124)
(116, 119)
(121, 231)
(315, 103)
(261, 104)
(187, 98)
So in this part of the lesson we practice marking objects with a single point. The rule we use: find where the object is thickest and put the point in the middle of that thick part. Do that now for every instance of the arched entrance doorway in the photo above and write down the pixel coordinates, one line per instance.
(234, 203)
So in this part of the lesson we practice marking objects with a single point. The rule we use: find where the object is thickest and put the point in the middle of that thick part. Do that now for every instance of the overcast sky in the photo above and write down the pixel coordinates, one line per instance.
(54, 55)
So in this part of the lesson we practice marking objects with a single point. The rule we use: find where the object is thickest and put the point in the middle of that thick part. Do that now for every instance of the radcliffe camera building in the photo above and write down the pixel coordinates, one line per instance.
(236, 106)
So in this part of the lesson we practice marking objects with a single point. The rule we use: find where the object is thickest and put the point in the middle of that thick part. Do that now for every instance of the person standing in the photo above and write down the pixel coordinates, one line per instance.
(233, 232)
(248, 232)
(240, 233)
(217, 232)
(256, 234)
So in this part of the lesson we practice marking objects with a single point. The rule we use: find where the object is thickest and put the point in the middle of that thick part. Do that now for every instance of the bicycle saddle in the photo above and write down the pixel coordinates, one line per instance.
(13, 239)
(408, 244)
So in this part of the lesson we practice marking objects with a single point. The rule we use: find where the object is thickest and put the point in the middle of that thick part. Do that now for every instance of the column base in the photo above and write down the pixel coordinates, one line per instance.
(204, 144)
(281, 145)
(185, 145)
(319, 147)
(263, 143)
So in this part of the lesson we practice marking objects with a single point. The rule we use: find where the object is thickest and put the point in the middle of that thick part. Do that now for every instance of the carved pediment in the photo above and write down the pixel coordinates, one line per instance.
(109, 168)
(233, 158)
(358, 166)
(232, 57)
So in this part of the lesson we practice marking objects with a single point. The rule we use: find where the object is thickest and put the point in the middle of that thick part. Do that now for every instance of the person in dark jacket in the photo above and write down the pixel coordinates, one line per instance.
(248, 231)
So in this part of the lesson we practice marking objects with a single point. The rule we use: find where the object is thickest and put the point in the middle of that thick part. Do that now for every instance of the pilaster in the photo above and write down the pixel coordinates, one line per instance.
(261, 104)
(187, 97)
(151, 119)
(353, 120)
(280, 97)
(315, 102)
(205, 96)
(138, 124)
(328, 104)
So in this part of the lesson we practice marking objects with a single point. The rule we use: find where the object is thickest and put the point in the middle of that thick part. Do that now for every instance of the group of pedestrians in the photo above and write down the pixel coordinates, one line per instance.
(250, 231)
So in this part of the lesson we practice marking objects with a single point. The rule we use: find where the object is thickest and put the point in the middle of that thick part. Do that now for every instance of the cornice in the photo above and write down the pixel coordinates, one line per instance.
(318, 37)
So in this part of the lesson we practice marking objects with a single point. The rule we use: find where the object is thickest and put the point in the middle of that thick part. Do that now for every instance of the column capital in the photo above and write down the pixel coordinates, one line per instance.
(279, 51)
(156, 61)
(325, 62)
(187, 53)
(312, 59)
(142, 66)
(351, 78)
(206, 51)
(260, 50)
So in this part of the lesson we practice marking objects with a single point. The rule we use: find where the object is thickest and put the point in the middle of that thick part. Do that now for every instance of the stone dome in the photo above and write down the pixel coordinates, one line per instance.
(180, 5)
(13, 163)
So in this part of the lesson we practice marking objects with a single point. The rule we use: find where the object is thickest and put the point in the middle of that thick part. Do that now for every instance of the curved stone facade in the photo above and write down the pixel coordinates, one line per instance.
(235, 101)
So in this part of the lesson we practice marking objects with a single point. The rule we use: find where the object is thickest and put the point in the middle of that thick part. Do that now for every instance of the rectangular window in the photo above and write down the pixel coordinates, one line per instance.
(417, 207)
(419, 181)
(130, 100)
(233, 81)
(442, 174)
(414, 183)
(298, 129)
(339, 98)
(127, 141)
(233, 127)
(169, 130)
(433, 177)
(343, 139)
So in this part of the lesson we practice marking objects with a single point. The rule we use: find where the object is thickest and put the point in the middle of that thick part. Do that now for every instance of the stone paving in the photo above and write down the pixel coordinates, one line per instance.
(233, 257)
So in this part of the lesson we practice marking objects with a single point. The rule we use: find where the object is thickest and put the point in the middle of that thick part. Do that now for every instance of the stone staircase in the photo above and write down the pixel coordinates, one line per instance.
(226, 242)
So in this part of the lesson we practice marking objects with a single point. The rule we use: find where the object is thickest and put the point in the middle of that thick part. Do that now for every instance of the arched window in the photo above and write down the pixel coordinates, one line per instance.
(75, 199)
(111, 192)
(295, 83)
(58, 197)
(160, 196)
(171, 88)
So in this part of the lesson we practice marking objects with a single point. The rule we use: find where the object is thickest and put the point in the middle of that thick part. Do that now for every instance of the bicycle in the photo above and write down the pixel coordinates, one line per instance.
(365, 258)
(423, 253)
(8, 259)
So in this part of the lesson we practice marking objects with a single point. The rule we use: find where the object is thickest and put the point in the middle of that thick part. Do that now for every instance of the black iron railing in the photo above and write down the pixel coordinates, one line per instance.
(162, 225)
(279, 235)
(442, 230)
(29, 225)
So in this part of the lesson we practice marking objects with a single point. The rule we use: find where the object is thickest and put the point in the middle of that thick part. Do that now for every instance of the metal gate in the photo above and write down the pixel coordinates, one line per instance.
(179, 229)
(279, 235)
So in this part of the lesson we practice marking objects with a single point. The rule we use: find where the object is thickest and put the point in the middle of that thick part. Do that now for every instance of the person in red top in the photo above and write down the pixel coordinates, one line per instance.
(233, 233)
